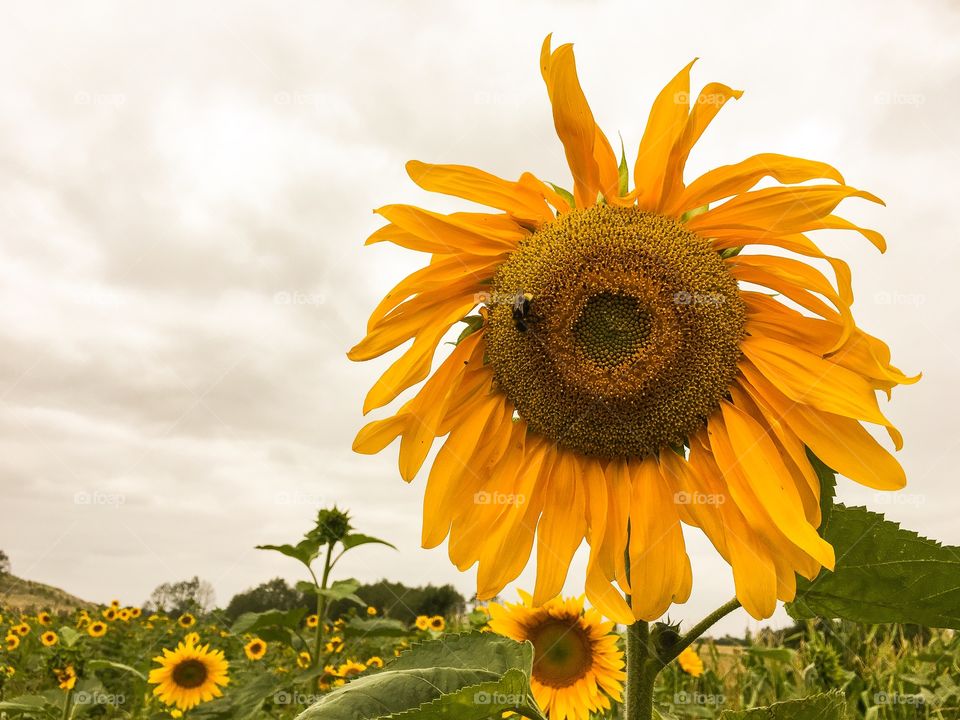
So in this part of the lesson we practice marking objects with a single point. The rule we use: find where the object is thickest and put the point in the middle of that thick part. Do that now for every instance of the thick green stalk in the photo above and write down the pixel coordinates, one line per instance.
(641, 673)
(321, 604)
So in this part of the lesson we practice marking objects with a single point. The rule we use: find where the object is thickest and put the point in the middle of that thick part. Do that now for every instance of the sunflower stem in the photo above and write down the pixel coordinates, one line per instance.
(641, 673)
(667, 655)
(67, 706)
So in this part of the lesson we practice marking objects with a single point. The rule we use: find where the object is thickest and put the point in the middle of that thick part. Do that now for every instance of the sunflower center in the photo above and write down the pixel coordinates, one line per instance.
(611, 328)
(190, 674)
(632, 336)
(561, 653)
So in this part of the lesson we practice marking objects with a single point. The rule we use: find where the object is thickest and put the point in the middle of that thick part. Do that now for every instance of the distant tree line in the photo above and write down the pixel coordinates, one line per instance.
(392, 599)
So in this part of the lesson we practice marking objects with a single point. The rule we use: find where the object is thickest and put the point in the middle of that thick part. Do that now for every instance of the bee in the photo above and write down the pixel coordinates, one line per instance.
(521, 311)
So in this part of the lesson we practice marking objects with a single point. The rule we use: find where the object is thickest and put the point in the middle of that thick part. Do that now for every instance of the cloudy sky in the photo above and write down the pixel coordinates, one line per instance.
(185, 189)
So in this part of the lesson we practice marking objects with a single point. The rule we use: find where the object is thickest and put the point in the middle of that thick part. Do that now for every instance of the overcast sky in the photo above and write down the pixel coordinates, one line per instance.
(185, 189)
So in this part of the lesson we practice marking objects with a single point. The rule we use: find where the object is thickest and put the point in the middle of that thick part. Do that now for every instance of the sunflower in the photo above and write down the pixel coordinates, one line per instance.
(135, 612)
(44, 618)
(110, 614)
(255, 649)
(422, 622)
(437, 623)
(327, 679)
(312, 621)
(690, 662)
(375, 661)
(123, 615)
(186, 620)
(12, 642)
(49, 638)
(97, 629)
(350, 668)
(303, 659)
(335, 644)
(22, 629)
(371, 611)
(618, 372)
(189, 675)
(577, 666)
(66, 677)
(115, 604)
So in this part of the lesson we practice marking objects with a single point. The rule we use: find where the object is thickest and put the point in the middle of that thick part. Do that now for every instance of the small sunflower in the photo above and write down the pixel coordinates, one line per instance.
(22, 629)
(350, 668)
(690, 662)
(619, 369)
(189, 675)
(44, 618)
(437, 623)
(10, 671)
(110, 614)
(12, 642)
(135, 612)
(255, 649)
(115, 603)
(577, 666)
(312, 621)
(66, 677)
(49, 638)
(124, 615)
(326, 680)
(97, 629)
(371, 610)
(422, 622)
(192, 637)
(186, 620)
(335, 644)
(303, 659)
(375, 661)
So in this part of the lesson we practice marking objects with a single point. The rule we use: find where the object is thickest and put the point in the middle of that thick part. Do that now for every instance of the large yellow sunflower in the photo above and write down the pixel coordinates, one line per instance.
(189, 675)
(628, 364)
(577, 666)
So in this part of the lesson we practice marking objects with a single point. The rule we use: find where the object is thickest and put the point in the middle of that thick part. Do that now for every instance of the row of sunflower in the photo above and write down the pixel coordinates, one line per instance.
(118, 661)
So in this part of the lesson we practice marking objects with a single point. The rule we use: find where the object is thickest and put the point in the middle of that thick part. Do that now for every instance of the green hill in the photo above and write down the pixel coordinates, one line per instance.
(26, 595)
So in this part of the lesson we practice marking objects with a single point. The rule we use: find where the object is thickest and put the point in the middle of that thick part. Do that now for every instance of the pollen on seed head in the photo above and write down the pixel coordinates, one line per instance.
(633, 336)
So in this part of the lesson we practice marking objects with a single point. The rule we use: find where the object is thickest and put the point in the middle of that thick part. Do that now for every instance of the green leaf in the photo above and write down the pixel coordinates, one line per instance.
(884, 574)
(565, 194)
(623, 170)
(242, 702)
(36, 705)
(693, 213)
(354, 539)
(828, 489)
(459, 677)
(382, 627)
(101, 664)
(474, 323)
(473, 649)
(479, 702)
(343, 590)
(826, 706)
(305, 551)
(70, 636)
(252, 622)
